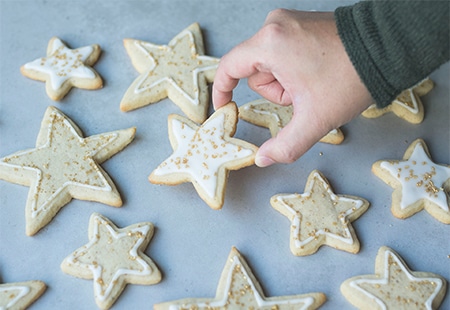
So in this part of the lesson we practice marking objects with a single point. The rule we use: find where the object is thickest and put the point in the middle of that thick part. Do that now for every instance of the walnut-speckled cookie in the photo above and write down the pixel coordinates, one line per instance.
(62, 166)
(407, 105)
(203, 154)
(20, 295)
(179, 71)
(63, 68)
(418, 183)
(239, 289)
(112, 258)
(320, 217)
(394, 286)
(264, 113)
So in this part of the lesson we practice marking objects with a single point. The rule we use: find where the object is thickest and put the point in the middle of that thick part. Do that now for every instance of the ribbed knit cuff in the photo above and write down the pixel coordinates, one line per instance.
(380, 89)
(394, 44)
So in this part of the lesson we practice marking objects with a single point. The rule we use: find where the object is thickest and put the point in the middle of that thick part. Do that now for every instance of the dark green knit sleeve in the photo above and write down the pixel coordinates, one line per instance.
(394, 44)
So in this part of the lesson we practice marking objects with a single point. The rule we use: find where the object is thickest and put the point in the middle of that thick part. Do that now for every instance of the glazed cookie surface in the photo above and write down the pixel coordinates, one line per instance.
(320, 217)
(267, 114)
(62, 166)
(239, 289)
(407, 105)
(20, 295)
(204, 154)
(418, 183)
(394, 286)
(179, 71)
(63, 68)
(112, 258)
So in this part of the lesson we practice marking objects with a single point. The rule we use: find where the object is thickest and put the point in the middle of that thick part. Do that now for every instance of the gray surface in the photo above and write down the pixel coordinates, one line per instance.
(192, 242)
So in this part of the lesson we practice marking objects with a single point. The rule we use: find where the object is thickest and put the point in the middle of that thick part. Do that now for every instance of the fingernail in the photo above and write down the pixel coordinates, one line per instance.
(263, 161)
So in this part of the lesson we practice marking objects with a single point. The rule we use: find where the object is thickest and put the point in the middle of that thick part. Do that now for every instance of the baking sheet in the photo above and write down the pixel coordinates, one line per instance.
(192, 242)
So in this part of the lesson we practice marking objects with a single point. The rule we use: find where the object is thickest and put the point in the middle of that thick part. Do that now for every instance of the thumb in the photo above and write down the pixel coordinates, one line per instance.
(297, 137)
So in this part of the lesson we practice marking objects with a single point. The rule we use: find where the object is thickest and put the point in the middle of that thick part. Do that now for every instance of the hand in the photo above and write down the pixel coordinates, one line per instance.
(295, 58)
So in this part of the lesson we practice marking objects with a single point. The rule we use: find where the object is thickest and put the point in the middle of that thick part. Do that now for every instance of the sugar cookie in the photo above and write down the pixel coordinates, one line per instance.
(239, 289)
(418, 183)
(204, 154)
(20, 295)
(407, 105)
(394, 286)
(319, 217)
(112, 258)
(179, 71)
(64, 68)
(62, 166)
(264, 113)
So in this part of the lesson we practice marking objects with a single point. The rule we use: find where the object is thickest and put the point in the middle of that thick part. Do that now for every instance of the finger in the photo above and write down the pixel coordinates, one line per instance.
(269, 87)
(297, 137)
(240, 62)
(223, 93)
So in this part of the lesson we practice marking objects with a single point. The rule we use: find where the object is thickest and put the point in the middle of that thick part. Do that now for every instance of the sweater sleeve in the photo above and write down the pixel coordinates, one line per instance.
(394, 44)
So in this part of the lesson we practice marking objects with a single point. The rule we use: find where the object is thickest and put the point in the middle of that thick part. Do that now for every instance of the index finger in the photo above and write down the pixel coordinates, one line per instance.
(239, 63)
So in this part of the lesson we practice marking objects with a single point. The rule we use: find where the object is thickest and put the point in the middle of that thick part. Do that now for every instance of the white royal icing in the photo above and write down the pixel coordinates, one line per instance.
(98, 269)
(385, 281)
(415, 106)
(21, 292)
(40, 171)
(201, 152)
(63, 63)
(305, 302)
(420, 178)
(274, 115)
(296, 218)
(168, 49)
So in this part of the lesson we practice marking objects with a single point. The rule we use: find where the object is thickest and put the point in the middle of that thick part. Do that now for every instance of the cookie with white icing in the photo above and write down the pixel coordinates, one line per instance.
(20, 295)
(267, 114)
(179, 71)
(394, 286)
(407, 105)
(64, 165)
(112, 258)
(239, 289)
(204, 154)
(63, 68)
(418, 183)
(320, 217)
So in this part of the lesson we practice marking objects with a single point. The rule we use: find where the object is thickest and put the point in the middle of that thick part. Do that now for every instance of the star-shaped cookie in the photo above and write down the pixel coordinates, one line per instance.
(204, 154)
(179, 71)
(113, 258)
(407, 105)
(267, 114)
(320, 217)
(239, 289)
(394, 286)
(64, 68)
(62, 166)
(418, 183)
(20, 295)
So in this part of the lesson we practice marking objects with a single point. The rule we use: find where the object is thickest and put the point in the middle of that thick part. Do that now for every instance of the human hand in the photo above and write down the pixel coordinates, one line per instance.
(295, 58)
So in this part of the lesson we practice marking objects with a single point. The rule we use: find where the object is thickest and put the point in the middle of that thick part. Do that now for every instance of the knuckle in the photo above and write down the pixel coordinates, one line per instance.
(272, 32)
(277, 14)
(286, 154)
